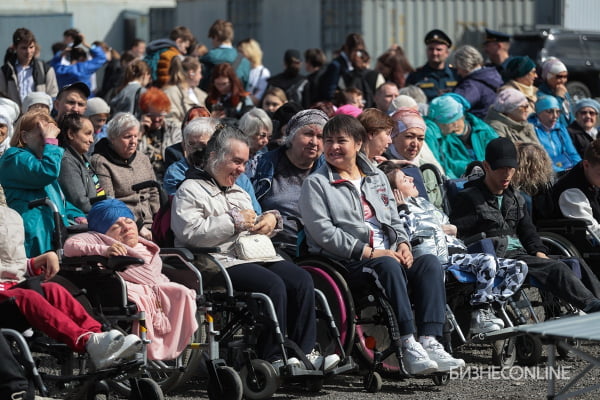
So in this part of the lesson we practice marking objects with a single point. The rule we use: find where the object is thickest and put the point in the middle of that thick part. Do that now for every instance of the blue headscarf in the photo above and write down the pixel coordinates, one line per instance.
(546, 103)
(587, 103)
(448, 108)
(105, 213)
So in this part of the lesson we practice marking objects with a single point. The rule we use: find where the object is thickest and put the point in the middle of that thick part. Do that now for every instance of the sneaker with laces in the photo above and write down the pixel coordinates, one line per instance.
(445, 362)
(327, 363)
(481, 322)
(102, 346)
(494, 318)
(416, 360)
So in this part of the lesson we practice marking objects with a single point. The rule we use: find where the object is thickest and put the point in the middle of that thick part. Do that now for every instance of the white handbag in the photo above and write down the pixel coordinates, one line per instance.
(253, 247)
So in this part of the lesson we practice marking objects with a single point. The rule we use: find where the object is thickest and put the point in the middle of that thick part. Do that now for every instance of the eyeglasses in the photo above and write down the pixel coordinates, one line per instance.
(156, 115)
(586, 112)
(565, 76)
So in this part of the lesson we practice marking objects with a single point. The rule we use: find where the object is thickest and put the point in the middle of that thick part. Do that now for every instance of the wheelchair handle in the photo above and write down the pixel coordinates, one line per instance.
(44, 201)
(120, 263)
(144, 185)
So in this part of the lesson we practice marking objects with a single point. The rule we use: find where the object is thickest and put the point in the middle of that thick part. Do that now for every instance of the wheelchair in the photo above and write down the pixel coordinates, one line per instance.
(367, 323)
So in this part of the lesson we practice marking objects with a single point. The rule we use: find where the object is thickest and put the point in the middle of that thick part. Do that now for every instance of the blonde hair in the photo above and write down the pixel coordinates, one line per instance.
(28, 122)
(535, 171)
(252, 51)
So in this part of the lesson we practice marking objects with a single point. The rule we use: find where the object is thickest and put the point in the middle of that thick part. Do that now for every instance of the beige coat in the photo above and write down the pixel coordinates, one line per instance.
(181, 102)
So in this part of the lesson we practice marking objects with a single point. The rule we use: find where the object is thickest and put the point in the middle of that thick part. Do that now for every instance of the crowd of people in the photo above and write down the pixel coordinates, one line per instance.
(335, 153)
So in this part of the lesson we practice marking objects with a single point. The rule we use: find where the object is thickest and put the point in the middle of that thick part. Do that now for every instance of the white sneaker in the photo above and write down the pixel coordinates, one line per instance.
(416, 360)
(132, 345)
(445, 361)
(102, 346)
(481, 322)
(291, 361)
(331, 361)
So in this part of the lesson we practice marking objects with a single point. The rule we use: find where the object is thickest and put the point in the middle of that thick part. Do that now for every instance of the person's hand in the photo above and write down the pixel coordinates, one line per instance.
(398, 196)
(265, 224)
(116, 249)
(560, 90)
(49, 130)
(249, 217)
(541, 254)
(146, 233)
(404, 255)
(218, 114)
(379, 159)
(450, 229)
(145, 123)
(48, 263)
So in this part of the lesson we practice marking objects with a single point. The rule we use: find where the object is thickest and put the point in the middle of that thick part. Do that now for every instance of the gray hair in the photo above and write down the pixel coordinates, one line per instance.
(415, 92)
(255, 119)
(468, 58)
(121, 123)
(219, 146)
(202, 126)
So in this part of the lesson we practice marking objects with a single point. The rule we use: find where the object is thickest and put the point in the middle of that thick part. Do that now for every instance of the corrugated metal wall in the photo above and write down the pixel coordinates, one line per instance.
(582, 14)
(405, 22)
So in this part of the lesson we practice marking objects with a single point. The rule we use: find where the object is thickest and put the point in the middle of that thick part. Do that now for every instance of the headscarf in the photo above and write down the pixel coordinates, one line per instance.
(402, 101)
(303, 118)
(546, 103)
(407, 118)
(105, 213)
(583, 103)
(509, 100)
(448, 108)
(348, 109)
(518, 66)
(552, 66)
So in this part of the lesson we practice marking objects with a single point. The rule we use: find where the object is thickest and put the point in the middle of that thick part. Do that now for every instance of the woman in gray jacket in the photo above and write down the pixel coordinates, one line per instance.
(349, 214)
(77, 178)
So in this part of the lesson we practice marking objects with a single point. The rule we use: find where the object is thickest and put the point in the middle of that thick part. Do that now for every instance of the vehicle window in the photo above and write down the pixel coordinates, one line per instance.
(526, 46)
(593, 48)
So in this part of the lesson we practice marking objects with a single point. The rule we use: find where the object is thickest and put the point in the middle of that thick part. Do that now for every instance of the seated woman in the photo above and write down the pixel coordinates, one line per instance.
(257, 125)
(520, 74)
(423, 220)
(120, 166)
(281, 172)
(51, 308)
(508, 116)
(455, 136)
(77, 178)
(553, 135)
(554, 83)
(209, 209)
(170, 307)
(373, 245)
(29, 171)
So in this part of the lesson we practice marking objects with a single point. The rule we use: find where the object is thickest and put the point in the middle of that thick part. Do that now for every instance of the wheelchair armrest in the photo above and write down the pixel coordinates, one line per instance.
(474, 238)
(77, 228)
(88, 263)
(120, 263)
(205, 250)
(177, 251)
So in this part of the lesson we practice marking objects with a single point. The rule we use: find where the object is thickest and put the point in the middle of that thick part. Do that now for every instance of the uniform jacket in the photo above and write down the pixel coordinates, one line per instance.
(475, 210)
(434, 82)
(332, 212)
(24, 178)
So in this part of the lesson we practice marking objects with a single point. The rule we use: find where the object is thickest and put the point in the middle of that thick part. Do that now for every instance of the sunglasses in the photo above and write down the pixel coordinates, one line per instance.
(586, 112)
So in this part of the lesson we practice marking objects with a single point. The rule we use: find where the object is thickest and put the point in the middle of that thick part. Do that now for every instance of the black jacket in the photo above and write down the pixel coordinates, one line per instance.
(475, 210)
(580, 138)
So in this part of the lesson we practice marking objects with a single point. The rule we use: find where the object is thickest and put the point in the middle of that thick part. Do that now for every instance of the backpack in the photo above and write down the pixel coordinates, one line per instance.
(162, 234)
(153, 53)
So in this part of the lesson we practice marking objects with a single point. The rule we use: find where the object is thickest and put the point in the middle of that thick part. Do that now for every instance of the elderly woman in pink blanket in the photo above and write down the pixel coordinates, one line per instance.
(170, 307)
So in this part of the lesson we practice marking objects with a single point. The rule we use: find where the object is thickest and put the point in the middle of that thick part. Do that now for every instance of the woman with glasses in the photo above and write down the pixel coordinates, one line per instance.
(555, 76)
(120, 165)
(157, 132)
(508, 116)
(583, 130)
(553, 135)
(77, 178)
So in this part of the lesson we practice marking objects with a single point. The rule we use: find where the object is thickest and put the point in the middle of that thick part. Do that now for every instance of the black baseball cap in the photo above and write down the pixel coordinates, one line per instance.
(438, 36)
(82, 87)
(501, 152)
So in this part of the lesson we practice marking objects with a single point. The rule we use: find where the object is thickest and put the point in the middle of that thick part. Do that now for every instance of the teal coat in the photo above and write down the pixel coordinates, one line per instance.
(450, 150)
(24, 178)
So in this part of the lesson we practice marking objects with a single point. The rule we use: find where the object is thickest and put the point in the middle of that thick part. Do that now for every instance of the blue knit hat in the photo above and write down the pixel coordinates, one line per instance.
(583, 103)
(448, 108)
(546, 103)
(105, 213)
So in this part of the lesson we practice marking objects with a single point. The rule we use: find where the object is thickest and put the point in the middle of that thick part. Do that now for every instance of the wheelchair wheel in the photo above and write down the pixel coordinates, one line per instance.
(504, 353)
(559, 245)
(339, 297)
(146, 389)
(528, 350)
(373, 382)
(441, 380)
(263, 384)
(231, 385)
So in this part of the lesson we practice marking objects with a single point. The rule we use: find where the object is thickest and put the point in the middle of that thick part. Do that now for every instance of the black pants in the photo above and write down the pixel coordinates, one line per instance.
(292, 292)
(557, 278)
(12, 380)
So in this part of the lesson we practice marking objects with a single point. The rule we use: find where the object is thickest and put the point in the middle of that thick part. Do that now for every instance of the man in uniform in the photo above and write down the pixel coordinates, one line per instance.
(496, 46)
(435, 77)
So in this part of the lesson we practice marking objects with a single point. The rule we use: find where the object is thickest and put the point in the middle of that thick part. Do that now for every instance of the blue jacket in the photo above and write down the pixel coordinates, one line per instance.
(566, 104)
(434, 82)
(176, 174)
(265, 170)
(479, 88)
(558, 144)
(81, 71)
(24, 178)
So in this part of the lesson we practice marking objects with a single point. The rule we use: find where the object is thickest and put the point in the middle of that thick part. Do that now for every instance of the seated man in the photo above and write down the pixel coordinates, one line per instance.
(490, 205)
(575, 194)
